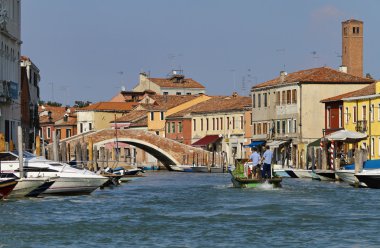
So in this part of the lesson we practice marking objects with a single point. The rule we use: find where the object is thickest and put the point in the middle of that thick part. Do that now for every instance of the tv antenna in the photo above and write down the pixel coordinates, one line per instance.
(281, 52)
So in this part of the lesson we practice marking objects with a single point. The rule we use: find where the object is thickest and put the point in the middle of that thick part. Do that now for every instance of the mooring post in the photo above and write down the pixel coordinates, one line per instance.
(101, 158)
(90, 154)
(95, 159)
(78, 155)
(55, 146)
(20, 152)
(107, 157)
(358, 163)
(63, 152)
(84, 154)
(38, 146)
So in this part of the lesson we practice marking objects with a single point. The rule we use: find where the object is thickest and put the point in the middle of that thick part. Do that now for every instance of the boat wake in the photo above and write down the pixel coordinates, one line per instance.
(266, 186)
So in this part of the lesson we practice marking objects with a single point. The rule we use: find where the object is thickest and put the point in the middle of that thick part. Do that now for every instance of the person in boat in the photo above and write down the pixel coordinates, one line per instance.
(255, 159)
(267, 160)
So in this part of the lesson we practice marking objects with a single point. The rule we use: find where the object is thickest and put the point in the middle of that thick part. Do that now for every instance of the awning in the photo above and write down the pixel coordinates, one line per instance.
(255, 143)
(315, 143)
(346, 136)
(276, 143)
(208, 139)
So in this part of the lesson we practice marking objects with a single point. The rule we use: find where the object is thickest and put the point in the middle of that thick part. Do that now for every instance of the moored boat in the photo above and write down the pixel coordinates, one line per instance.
(26, 186)
(281, 173)
(370, 177)
(348, 176)
(6, 186)
(326, 175)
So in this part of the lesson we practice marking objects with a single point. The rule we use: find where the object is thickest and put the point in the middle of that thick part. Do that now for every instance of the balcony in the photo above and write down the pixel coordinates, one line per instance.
(361, 126)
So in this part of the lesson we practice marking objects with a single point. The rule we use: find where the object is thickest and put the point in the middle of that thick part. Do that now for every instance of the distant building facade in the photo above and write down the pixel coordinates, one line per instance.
(10, 76)
(176, 84)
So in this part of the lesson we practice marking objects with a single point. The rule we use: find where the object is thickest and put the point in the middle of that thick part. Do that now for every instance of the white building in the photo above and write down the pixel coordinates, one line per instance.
(10, 76)
(176, 84)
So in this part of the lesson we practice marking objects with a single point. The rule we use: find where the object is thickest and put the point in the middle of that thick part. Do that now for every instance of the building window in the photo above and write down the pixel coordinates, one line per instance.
(288, 96)
(265, 128)
(254, 129)
(265, 95)
(202, 124)
(90, 126)
(294, 96)
(228, 123)
(233, 122)
(290, 126)
(340, 116)
(178, 93)
(194, 125)
(217, 123)
(241, 122)
(364, 112)
(283, 126)
(259, 100)
(180, 127)
(152, 116)
(253, 101)
(221, 123)
(294, 126)
(328, 117)
(48, 132)
(166, 93)
(278, 98)
(58, 132)
(168, 127)
(162, 115)
(206, 124)
(173, 127)
(347, 115)
(213, 123)
(81, 127)
(354, 113)
(372, 146)
(250, 120)
(68, 133)
(278, 127)
(372, 112)
(188, 93)
(259, 128)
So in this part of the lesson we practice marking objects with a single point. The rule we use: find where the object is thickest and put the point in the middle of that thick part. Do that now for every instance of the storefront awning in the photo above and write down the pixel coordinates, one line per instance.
(276, 143)
(208, 139)
(255, 143)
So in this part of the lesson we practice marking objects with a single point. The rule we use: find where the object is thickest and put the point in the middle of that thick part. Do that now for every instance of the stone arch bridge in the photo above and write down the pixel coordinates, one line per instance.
(167, 151)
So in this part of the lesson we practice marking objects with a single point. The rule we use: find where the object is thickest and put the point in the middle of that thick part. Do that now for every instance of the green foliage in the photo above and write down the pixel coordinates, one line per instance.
(81, 104)
(54, 104)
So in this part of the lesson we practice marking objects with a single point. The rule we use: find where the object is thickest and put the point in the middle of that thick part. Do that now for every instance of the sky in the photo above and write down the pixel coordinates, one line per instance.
(87, 50)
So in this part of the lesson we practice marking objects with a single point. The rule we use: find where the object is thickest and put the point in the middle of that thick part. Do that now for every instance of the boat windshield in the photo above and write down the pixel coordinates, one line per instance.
(25, 154)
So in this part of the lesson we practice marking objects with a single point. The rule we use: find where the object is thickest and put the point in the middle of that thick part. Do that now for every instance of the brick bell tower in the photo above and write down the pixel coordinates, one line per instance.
(352, 47)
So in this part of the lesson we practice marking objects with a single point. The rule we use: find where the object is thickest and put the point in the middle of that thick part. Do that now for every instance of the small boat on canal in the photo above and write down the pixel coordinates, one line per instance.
(240, 180)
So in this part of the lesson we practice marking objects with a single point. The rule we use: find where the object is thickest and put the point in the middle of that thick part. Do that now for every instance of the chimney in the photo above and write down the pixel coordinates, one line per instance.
(234, 94)
(343, 68)
(143, 76)
(283, 74)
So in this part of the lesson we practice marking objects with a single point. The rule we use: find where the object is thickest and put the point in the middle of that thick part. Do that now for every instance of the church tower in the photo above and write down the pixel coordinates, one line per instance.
(352, 47)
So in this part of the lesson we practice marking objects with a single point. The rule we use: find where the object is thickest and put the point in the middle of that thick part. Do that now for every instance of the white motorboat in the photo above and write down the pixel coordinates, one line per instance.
(28, 187)
(301, 173)
(69, 180)
(370, 177)
(325, 175)
(348, 176)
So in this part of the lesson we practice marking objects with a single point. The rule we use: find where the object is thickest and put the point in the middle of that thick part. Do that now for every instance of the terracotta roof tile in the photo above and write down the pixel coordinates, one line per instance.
(368, 90)
(71, 121)
(132, 116)
(217, 104)
(164, 102)
(110, 106)
(315, 75)
(168, 83)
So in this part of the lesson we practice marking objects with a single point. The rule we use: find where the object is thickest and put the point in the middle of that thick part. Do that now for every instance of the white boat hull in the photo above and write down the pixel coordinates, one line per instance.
(75, 185)
(303, 173)
(25, 186)
(348, 176)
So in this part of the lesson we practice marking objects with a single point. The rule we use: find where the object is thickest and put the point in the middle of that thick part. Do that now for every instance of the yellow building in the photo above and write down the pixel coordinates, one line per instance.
(161, 106)
(362, 114)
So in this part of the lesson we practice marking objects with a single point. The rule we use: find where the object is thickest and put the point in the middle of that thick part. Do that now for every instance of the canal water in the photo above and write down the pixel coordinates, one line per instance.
(197, 210)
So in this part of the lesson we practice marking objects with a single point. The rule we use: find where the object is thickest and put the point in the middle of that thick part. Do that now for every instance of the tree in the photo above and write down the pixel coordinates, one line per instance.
(81, 104)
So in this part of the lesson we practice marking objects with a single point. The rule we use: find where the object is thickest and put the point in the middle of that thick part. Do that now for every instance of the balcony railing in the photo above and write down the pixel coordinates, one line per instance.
(361, 126)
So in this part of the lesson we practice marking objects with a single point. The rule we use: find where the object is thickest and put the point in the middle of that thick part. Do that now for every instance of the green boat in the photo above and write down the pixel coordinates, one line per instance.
(240, 181)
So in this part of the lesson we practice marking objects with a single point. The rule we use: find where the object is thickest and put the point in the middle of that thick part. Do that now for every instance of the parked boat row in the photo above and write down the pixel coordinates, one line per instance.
(41, 176)
(368, 177)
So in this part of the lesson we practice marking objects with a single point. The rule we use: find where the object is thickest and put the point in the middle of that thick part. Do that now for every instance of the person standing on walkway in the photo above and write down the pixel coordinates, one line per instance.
(255, 159)
(267, 159)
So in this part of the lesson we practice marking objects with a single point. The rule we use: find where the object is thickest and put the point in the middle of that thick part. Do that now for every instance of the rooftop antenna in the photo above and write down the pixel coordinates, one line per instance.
(243, 88)
(315, 57)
